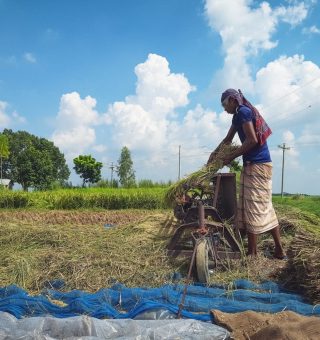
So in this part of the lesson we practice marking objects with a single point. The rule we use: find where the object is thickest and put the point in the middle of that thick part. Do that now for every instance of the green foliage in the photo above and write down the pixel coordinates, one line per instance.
(88, 168)
(33, 161)
(4, 151)
(4, 146)
(15, 199)
(235, 166)
(86, 198)
(148, 183)
(125, 169)
(105, 183)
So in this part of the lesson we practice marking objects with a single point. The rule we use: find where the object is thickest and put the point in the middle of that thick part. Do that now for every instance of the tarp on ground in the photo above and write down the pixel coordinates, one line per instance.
(85, 327)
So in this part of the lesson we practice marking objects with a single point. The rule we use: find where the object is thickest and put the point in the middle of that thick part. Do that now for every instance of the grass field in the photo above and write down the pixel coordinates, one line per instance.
(305, 203)
(87, 198)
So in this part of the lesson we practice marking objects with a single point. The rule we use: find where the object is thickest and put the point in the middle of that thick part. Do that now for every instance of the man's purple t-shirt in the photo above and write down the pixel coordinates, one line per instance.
(260, 153)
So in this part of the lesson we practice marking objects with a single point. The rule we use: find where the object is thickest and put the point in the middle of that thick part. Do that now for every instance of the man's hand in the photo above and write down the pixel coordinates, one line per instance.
(227, 160)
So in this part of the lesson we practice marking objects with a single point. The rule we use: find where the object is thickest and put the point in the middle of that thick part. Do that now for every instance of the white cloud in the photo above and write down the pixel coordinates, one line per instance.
(4, 117)
(310, 134)
(288, 88)
(99, 148)
(7, 120)
(74, 141)
(245, 31)
(141, 121)
(51, 34)
(311, 30)
(158, 90)
(288, 137)
(147, 123)
(30, 58)
(75, 120)
(17, 118)
(135, 127)
(75, 111)
(292, 15)
(200, 127)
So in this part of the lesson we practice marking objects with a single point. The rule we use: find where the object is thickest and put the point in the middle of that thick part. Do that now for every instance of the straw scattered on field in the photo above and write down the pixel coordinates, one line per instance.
(86, 257)
(74, 217)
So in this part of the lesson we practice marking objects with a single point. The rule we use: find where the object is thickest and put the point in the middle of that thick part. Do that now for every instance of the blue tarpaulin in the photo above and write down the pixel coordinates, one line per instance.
(120, 302)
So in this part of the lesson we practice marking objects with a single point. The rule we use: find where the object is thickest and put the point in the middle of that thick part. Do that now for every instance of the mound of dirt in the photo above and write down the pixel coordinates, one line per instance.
(285, 325)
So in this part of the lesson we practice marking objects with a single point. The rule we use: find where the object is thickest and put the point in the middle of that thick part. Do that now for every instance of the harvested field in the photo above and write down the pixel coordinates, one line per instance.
(86, 257)
(74, 217)
(44, 245)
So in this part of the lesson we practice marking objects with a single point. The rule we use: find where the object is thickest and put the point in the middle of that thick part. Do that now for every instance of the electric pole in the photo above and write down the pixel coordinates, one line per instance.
(283, 147)
(112, 167)
(179, 162)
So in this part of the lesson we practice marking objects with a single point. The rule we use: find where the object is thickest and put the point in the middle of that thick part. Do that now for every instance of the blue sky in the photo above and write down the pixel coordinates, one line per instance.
(94, 76)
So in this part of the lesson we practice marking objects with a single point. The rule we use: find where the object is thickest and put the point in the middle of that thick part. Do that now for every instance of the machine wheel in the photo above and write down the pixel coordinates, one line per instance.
(202, 261)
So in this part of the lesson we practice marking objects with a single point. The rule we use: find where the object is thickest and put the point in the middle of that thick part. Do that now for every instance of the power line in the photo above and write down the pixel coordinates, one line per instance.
(295, 90)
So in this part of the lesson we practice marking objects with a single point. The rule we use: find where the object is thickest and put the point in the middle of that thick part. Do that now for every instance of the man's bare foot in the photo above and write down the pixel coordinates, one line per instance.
(280, 254)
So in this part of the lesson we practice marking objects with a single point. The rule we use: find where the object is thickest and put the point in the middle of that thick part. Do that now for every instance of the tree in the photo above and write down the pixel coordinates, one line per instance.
(4, 151)
(88, 168)
(125, 169)
(34, 162)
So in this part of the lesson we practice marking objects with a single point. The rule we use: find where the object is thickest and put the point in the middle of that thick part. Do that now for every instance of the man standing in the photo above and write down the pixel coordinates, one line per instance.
(255, 212)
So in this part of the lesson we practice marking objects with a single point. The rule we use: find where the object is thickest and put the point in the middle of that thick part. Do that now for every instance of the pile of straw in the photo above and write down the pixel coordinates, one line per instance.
(201, 178)
(303, 270)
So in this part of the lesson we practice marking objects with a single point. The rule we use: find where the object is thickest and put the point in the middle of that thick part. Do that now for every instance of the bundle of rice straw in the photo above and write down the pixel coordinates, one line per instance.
(303, 270)
(199, 179)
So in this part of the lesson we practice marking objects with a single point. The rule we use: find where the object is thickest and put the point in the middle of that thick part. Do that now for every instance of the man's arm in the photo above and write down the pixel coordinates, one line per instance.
(227, 140)
(249, 143)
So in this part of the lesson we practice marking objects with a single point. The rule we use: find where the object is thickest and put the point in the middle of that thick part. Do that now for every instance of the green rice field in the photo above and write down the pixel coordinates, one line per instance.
(86, 198)
(305, 203)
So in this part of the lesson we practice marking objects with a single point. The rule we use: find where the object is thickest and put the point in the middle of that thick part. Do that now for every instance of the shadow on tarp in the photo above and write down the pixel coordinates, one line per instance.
(120, 302)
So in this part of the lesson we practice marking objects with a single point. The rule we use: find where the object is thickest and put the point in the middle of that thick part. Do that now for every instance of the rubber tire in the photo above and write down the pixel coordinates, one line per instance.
(202, 261)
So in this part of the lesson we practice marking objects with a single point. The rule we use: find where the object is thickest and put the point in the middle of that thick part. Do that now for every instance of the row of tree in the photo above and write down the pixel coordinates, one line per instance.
(90, 170)
(36, 162)
(31, 161)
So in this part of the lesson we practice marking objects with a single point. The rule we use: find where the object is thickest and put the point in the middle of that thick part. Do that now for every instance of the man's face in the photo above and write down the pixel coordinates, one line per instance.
(229, 104)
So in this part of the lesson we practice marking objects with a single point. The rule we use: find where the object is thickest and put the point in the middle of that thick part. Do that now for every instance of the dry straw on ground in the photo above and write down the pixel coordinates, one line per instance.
(302, 271)
(304, 265)
(87, 257)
